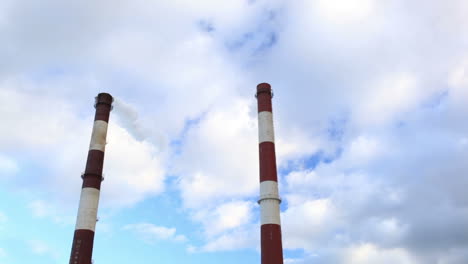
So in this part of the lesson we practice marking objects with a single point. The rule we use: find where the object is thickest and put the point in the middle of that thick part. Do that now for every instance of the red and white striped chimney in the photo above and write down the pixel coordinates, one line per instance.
(83, 239)
(271, 245)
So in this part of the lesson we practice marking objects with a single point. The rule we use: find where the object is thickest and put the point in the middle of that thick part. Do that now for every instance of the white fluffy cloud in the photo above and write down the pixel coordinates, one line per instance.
(40, 247)
(458, 82)
(376, 90)
(388, 97)
(225, 217)
(224, 143)
(340, 11)
(8, 166)
(305, 224)
(43, 209)
(229, 241)
(152, 233)
(62, 137)
(132, 168)
(369, 253)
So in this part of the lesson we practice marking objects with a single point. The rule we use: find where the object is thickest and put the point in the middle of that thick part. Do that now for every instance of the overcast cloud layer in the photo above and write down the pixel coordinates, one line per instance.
(371, 117)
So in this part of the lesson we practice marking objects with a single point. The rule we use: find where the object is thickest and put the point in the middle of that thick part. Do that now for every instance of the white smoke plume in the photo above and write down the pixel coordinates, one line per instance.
(141, 130)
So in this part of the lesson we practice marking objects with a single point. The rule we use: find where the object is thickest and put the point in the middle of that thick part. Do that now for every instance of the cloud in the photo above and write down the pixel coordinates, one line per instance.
(225, 144)
(225, 217)
(458, 82)
(39, 247)
(291, 260)
(305, 223)
(230, 241)
(387, 79)
(133, 169)
(339, 11)
(42, 209)
(8, 166)
(62, 137)
(368, 253)
(357, 198)
(377, 181)
(389, 97)
(152, 233)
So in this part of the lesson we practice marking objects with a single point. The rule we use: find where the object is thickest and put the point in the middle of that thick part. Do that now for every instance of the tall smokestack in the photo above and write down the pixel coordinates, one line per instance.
(271, 245)
(82, 247)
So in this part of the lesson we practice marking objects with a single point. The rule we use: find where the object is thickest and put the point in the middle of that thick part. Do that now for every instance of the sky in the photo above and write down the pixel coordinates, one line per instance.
(371, 119)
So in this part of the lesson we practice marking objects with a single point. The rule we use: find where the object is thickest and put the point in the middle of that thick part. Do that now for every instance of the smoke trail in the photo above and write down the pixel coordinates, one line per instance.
(129, 119)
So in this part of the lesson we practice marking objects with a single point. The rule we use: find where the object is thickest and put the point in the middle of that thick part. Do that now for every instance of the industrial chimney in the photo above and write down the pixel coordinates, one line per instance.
(82, 247)
(271, 245)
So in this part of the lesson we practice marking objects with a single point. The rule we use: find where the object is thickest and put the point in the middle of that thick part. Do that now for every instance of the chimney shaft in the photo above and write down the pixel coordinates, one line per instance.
(271, 245)
(83, 239)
